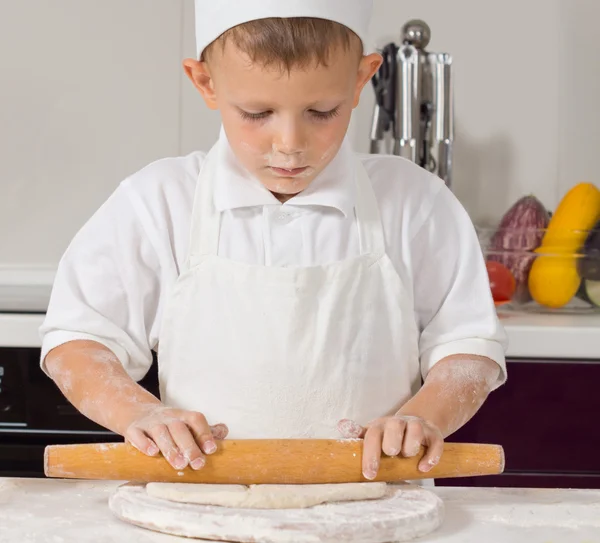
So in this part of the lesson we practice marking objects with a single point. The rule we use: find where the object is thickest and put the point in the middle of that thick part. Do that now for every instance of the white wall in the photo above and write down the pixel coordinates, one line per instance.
(91, 91)
(579, 92)
(506, 100)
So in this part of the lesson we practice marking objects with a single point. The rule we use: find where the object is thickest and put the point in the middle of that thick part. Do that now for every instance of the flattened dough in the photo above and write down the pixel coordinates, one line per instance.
(265, 496)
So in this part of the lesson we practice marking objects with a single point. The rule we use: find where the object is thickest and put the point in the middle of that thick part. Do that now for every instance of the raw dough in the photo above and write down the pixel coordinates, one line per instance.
(265, 496)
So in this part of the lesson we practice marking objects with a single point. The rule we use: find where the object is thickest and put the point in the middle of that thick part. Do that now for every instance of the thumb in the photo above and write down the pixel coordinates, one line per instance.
(350, 429)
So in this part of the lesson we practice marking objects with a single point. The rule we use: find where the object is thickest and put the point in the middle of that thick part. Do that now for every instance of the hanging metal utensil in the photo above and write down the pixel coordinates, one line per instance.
(414, 102)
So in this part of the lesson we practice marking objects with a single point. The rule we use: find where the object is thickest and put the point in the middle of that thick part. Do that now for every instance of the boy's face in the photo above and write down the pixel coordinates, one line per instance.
(285, 128)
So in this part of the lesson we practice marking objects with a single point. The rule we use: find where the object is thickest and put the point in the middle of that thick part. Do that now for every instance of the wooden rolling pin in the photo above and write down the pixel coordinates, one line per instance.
(266, 462)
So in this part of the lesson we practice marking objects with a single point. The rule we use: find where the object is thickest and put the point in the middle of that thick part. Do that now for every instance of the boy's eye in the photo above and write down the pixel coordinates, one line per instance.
(254, 116)
(325, 115)
(319, 115)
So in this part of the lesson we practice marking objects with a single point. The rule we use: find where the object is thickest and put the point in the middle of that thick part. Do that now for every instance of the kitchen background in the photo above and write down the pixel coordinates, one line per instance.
(92, 91)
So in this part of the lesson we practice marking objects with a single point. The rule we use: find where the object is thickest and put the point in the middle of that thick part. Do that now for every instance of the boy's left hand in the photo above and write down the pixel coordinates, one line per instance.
(393, 436)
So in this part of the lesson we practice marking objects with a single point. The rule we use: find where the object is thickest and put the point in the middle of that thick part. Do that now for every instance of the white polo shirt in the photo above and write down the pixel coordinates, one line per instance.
(113, 281)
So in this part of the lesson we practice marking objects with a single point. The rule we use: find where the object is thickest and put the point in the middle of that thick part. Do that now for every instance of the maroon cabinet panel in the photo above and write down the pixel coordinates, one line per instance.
(547, 419)
(526, 480)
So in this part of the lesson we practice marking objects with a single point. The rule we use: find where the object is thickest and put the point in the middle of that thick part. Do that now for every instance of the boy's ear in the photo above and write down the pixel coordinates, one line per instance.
(369, 65)
(199, 75)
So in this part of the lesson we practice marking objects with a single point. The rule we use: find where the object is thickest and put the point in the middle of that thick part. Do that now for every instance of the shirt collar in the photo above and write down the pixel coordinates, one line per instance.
(334, 187)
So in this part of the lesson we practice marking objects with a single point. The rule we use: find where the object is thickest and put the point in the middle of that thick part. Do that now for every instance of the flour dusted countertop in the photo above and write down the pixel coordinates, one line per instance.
(530, 335)
(64, 511)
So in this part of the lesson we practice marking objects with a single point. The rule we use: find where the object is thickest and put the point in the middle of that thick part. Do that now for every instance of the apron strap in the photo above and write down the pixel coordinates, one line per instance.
(206, 220)
(370, 227)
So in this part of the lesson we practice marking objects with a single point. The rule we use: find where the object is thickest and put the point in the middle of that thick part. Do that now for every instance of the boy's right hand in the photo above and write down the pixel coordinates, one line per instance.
(183, 437)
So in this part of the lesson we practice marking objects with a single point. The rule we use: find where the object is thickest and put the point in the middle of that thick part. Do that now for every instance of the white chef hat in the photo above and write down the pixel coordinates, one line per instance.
(214, 17)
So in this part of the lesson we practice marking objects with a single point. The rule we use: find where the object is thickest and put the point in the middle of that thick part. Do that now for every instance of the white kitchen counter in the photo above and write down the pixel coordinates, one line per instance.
(20, 330)
(552, 336)
(530, 335)
(65, 511)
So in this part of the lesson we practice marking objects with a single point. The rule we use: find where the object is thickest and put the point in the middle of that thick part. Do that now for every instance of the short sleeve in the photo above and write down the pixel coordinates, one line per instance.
(453, 301)
(107, 288)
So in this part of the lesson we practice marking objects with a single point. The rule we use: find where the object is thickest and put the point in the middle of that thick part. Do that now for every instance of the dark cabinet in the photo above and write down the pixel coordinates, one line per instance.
(547, 419)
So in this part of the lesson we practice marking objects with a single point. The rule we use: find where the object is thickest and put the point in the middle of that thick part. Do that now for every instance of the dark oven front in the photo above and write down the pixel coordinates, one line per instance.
(34, 414)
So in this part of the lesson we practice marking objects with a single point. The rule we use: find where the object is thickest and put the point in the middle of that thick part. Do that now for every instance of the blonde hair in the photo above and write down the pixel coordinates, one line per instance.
(289, 43)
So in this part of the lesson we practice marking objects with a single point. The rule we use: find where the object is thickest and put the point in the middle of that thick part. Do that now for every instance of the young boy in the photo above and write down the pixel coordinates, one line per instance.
(291, 288)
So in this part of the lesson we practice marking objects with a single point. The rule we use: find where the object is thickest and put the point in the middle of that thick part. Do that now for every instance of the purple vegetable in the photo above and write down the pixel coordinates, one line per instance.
(520, 232)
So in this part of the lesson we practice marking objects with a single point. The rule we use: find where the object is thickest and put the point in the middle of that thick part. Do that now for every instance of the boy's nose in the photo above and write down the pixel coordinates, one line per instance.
(290, 140)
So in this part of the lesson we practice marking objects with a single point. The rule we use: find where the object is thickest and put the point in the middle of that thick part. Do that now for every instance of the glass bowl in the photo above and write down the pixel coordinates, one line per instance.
(562, 276)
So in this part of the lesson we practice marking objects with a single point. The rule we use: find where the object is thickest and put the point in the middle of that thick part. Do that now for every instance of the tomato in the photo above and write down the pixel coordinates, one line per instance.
(502, 281)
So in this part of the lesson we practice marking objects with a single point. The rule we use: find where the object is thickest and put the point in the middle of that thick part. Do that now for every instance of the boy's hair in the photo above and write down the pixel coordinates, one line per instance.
(290, 42)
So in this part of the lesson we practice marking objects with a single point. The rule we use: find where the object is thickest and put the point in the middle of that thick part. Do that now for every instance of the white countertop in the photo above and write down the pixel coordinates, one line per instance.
(20, 329)
(533, 335)
(61, 511)
(530, 335)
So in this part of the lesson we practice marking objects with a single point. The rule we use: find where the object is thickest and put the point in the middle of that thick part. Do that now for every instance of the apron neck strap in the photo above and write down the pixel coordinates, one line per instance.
(206, 220)
(370, 227)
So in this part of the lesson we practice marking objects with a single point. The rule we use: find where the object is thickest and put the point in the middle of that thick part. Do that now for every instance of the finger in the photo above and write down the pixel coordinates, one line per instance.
(183, 438)
(201, 432)
(372, 451)
(350, 429)
(413, 438)
(162, 437)
(141, 441)
(435, 449)
(393, 436)
(219, 431)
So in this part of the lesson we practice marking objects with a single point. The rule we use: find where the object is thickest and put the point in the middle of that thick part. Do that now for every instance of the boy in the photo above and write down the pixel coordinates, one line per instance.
(291, 288)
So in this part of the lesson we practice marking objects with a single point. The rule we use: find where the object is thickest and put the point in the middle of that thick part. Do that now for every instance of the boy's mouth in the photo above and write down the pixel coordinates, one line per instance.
(288, 172)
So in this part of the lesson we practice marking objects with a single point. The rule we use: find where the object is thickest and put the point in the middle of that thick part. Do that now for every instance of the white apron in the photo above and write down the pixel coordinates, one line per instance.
(287, 352)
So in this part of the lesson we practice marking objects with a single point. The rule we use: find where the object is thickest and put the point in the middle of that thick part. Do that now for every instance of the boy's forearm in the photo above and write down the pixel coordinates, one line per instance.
(454, 390)
(94, 381)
